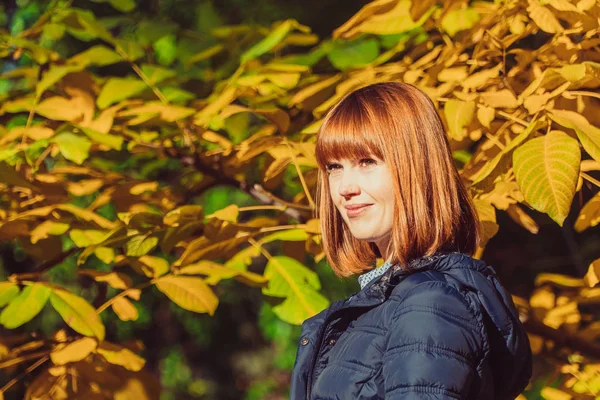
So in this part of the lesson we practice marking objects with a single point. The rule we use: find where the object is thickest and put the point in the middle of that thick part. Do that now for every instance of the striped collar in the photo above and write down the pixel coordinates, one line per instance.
(367, 277)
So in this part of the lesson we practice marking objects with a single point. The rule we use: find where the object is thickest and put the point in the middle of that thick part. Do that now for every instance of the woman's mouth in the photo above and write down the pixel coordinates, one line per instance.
(356, 211)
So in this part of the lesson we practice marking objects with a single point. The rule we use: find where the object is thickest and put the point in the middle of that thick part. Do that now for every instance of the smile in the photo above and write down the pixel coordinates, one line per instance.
(357, 211)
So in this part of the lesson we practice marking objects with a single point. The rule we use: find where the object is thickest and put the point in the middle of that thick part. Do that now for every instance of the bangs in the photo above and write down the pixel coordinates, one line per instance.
(348, 133)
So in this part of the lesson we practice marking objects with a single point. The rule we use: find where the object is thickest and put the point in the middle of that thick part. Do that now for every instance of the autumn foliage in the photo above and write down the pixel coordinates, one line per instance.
(104, 152)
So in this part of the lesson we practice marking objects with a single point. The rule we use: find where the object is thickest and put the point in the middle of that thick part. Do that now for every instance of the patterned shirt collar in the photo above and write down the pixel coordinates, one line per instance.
(367, 277)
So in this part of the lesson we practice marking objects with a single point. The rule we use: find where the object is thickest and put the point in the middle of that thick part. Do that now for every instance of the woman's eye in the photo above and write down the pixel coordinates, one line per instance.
(331, 167)
(367, 162)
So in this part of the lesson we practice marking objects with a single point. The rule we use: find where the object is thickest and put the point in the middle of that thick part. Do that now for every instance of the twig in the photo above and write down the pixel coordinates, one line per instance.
(24, 374)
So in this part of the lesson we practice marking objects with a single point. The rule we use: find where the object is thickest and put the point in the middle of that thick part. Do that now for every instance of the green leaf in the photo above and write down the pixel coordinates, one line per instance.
(588, 134)
(459, 20)
(112, 141)
(165, 49)
(25, 306)
(140, 245)
(8, 291)
(270, 41)
(157, 74)
(72, 147)
(77, 313)
(97, 55)
(298, 285)
(190, 293)
(123, 5)
(547, 169)
(354, 54)
(118, 89)
(459, 115)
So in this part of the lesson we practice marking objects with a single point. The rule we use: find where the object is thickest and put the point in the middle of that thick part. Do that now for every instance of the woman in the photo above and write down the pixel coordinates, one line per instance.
(431, 322)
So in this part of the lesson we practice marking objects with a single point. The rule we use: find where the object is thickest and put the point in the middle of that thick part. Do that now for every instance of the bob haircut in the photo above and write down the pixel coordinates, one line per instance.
(433, 212)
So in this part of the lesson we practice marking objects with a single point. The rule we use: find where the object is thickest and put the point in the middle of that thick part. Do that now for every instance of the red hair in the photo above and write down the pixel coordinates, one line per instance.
(433, 212)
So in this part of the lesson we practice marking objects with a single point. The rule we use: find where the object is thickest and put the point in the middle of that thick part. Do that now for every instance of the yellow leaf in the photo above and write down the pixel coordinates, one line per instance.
(77, 313)
(190, 293)
(543, 17)
(393, 21)
(116, 280)
(558, 280)
(459, 19)
(592, 277)
(276, 167)
(535, 102)
(125, 310)
(543, 298)
(121, 356)
(486, 115)
(588, 134)
(459, 115)
(229, 213)
(573, 73)
(74, 351)
(479, 79)
(376, 7)
(84, 187)
(215, 105)
(453, 74)
(38, 132)
(589, 216)
(48, 228)
(143, 187)
(105, 254)
(217, 272)
(546, 169)
(501, 99)
(158, 266)
(59, 109)
(567, 313)
(305, 96)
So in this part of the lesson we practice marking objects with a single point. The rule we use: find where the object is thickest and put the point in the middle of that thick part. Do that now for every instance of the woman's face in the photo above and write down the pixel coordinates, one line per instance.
(362, 191)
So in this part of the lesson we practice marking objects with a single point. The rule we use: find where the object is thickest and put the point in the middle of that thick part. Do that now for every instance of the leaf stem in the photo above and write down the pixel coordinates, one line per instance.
(27, 371)
(590, 179)
(304, 186)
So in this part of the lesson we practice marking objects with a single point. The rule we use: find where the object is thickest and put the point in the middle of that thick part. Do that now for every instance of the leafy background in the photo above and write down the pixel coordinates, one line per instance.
(157, 177)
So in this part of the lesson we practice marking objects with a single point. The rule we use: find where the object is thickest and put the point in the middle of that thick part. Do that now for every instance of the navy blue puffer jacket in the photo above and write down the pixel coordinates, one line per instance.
(446, 330)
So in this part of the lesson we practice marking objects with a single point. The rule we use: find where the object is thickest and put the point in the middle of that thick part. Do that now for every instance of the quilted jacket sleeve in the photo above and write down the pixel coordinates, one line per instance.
(435, 344)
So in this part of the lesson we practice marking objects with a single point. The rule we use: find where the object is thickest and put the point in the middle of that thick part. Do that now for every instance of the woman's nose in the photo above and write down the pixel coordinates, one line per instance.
(348, 186)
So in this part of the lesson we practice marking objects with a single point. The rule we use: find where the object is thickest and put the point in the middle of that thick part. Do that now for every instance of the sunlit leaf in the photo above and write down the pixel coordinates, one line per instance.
(459, 115)
(122, 356)
(190, 293)
(77, 313)
(140, 245)
(74, 351)
(72, 147)
(124, 309)
(298, 285)
(588, 134)
(48, 228)
(118, 89)
(546, 169)
(25, 306)
(459, 20)
(589, 216)
(8, 291)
